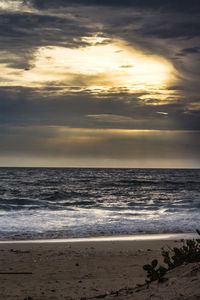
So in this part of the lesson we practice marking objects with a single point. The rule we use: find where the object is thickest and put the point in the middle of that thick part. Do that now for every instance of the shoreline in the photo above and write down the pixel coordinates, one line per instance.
(137, 237)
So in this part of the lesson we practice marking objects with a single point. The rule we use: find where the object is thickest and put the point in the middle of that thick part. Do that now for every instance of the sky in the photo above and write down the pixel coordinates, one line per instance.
(93, 83)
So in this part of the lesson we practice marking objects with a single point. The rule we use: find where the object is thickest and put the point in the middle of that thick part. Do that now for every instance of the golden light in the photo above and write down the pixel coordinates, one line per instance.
(13, 5)
(100, 66)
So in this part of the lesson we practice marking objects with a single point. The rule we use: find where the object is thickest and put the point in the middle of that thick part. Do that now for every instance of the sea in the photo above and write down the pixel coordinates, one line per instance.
(57, 203)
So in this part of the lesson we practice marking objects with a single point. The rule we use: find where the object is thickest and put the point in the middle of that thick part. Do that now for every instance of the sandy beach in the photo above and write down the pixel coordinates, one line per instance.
(91, 270)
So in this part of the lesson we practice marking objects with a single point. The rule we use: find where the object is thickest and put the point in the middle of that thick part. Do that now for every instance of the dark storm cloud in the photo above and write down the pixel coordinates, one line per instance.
(26, 106)
(26, 30)
(191, 50)
(174, 29)
(189, 6)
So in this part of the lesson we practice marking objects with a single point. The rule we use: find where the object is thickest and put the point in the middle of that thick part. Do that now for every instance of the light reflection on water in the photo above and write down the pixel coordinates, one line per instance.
(65, 203)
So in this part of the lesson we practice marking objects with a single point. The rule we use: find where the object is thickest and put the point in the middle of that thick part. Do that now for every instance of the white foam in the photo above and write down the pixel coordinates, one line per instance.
(81, 223)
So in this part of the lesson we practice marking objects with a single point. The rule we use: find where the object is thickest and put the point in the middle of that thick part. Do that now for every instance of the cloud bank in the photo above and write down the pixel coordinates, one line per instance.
(104, 67)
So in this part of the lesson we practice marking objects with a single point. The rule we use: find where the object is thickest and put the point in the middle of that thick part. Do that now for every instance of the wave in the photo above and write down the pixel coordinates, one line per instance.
(75, 201)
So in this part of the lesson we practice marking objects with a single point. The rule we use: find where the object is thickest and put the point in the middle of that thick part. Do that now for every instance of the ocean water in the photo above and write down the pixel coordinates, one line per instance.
(40, 203)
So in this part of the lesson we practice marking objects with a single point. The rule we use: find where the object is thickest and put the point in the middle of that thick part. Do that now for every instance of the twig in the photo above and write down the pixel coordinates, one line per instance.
(15, 273)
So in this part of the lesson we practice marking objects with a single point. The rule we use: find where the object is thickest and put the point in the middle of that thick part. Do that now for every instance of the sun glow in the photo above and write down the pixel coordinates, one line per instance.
(101, 65)
(15, 6)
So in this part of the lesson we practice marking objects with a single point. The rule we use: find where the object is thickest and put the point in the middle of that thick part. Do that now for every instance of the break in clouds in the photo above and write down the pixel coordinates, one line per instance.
(111, 82)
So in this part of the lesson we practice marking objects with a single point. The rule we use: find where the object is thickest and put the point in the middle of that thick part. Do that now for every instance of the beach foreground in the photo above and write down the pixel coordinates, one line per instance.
(91, 270)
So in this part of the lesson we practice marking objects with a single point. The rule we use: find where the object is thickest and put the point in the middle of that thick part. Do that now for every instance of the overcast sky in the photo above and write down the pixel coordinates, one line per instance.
(100, 83)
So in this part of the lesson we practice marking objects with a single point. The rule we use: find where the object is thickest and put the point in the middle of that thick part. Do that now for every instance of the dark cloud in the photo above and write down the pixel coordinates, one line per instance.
(190, 50)
(25, 30)
(177, 5)
(181, 29)
(25, 107)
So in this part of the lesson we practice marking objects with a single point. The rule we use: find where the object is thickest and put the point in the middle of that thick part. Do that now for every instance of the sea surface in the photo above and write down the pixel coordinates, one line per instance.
(49, 203)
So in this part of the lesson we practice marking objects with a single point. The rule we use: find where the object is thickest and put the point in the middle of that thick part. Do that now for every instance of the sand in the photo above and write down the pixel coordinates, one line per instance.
(91, 270)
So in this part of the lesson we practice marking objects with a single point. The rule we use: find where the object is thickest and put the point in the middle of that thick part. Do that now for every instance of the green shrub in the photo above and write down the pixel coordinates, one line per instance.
(189, 252)
(154, 273)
